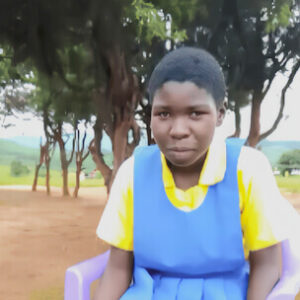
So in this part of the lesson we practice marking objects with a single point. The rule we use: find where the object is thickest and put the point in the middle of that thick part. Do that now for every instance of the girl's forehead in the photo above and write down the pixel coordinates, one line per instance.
(186, 93)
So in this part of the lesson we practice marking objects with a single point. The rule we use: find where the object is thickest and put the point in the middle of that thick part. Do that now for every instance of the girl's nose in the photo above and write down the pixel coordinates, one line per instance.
(179, 129)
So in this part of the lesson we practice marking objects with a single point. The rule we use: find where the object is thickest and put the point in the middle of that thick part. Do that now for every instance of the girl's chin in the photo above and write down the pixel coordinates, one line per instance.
(180, 161)
(184, 160)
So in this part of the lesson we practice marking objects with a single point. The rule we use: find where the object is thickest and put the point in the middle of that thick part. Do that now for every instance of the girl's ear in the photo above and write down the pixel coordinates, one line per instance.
(221, 114)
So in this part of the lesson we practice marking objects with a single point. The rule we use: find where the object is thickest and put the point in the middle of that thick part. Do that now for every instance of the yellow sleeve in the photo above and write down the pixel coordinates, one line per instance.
(116, 223)
(262, 206)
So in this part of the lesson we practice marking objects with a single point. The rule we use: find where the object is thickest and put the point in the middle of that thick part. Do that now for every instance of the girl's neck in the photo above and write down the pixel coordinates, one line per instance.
(186, 177)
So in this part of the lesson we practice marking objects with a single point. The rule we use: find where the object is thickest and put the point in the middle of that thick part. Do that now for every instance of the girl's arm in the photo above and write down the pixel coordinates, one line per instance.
(117, 275)
(265, 270)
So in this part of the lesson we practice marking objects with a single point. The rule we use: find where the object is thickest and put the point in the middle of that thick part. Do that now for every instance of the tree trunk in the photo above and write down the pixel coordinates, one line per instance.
(38, 166)
(48, 178)
(48, 157)
(253, 137)
(116, 115)
(64, 166)
(80, 157)
(63, 157)
(97, 155)
(77, 185)
(65, 181)
(36, 175)
(237, 116)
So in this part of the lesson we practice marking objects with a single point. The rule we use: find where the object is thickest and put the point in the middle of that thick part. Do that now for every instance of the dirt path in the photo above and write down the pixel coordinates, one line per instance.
(41, 236)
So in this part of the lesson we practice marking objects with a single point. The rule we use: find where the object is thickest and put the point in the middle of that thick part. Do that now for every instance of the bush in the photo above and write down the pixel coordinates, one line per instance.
(18, 169)
(289, 161)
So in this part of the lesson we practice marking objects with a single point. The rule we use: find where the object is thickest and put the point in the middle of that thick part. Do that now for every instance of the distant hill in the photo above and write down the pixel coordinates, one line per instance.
(29, 156)
(274, 149)
(34, 142)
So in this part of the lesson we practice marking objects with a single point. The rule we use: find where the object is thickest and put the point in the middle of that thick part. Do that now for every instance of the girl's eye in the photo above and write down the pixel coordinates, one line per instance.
(164, 114)
(196, 114)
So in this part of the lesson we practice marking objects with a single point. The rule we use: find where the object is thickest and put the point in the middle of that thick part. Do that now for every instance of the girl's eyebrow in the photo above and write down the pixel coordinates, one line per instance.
(162, 106)
(199, 106)
(190, 107)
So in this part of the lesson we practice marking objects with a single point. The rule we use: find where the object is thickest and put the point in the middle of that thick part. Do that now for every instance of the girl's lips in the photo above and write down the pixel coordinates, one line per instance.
(180, 149)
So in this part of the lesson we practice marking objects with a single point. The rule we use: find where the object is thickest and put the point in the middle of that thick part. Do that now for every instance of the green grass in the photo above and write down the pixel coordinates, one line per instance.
(289, 184)
(55, 179)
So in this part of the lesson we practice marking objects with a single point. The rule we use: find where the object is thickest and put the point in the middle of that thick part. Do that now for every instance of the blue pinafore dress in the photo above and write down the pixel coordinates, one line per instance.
(179, 255)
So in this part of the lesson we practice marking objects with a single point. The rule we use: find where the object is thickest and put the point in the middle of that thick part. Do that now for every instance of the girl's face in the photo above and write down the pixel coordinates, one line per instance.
(183, 122)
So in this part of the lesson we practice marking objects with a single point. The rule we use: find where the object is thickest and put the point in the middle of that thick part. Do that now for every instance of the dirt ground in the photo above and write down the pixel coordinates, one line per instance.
(41, 236)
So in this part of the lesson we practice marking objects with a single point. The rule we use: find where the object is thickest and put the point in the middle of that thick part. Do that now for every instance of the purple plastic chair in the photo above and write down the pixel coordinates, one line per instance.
(80, 276)
(289, 283)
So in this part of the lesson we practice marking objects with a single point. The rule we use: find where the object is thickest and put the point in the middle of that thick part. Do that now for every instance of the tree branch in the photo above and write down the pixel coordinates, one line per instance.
(282, 102)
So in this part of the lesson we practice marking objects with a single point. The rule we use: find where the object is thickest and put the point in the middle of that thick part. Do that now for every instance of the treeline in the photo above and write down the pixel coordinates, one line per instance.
(80, 62)
(289, 161)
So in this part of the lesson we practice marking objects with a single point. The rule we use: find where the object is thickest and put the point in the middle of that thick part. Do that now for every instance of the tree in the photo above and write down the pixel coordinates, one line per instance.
(80, 157)
(64, 99)
(49, 151)
(288, 161)
(13, 80)
(117, 86)
(253, 41)
(49, 36)
(45, 99)
(39, 164)
(96, 57)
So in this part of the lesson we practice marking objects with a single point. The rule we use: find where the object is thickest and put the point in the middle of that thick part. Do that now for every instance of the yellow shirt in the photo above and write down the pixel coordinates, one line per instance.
(261, 203)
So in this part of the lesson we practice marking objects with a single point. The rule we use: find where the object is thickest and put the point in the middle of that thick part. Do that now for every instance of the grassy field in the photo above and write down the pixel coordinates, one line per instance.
(55, 179)
(289, 184)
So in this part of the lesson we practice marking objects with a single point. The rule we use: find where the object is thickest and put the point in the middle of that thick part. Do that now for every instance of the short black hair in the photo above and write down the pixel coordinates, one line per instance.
(189, 64)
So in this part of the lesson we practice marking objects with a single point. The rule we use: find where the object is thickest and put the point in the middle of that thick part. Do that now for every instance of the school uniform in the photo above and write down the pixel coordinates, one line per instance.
(193, 244)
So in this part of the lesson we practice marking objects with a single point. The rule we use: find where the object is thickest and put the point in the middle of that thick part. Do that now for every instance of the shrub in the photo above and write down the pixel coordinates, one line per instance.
(289, 161)
(18, 169)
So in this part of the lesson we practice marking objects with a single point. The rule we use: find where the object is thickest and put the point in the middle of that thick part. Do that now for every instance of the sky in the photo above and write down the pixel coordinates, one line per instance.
(289, 126)
(288, 129)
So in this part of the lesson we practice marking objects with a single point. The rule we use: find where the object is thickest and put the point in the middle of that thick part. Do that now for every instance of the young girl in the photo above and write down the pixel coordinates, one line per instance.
(185, 216)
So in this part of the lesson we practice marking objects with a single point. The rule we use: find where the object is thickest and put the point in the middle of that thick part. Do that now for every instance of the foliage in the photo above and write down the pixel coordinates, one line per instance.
(90, 60)
(153, 21)
(289, 160)
(14, 86)
(17, 169)
(278, 14)
(274, 149)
